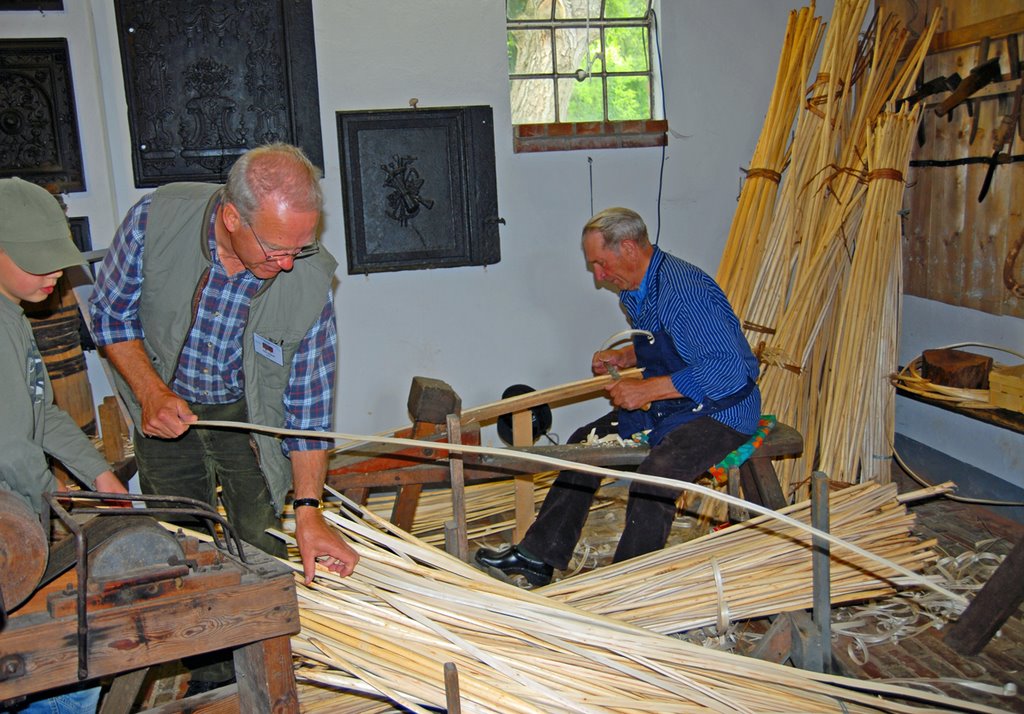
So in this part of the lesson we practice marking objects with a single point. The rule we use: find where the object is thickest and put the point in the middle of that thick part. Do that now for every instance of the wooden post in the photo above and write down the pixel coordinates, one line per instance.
(266, 681)
(460, 548)
(452, 695)
(821, 575)
(522, 435)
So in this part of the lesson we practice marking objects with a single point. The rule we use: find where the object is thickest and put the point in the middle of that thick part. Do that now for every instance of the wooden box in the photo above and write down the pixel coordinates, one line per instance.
(1006, 387)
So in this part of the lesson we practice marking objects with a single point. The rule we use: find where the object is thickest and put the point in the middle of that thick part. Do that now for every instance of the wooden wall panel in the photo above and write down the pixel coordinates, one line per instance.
(955, 247)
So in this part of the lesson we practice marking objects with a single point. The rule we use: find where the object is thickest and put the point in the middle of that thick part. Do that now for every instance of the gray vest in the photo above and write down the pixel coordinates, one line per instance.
(175, 265)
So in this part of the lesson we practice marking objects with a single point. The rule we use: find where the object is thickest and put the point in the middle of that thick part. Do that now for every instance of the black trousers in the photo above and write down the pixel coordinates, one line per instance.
(684, 455)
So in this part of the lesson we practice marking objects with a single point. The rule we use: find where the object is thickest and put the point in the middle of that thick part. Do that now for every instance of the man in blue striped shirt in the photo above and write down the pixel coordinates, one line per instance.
(698, 397)
(214, 302)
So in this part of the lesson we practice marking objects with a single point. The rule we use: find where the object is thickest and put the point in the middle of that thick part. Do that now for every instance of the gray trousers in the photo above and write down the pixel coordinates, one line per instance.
(195, 463)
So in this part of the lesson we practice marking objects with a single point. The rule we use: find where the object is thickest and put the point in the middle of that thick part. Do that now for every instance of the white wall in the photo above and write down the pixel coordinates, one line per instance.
(928, 324)
(534, 317)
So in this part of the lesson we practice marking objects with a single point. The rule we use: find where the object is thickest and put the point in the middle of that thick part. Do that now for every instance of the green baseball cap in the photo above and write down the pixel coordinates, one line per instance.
(34, 230)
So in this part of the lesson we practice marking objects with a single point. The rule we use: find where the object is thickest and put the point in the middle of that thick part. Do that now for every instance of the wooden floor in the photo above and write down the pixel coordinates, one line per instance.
(924, 658)
(959, 528)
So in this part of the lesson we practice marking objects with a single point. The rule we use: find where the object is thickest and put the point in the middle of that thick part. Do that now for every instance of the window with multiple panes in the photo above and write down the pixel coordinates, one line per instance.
(581, 61)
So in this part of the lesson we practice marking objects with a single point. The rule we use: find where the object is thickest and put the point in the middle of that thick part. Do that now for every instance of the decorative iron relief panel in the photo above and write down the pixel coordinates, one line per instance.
(207, 81)
(37, 5)
(38, 125)
(420, 188)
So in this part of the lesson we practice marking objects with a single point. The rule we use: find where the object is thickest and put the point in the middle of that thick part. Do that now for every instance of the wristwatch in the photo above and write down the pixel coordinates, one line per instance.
(314, 502)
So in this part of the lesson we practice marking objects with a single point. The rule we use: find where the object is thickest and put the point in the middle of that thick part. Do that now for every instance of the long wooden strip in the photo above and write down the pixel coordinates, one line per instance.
(584, 657)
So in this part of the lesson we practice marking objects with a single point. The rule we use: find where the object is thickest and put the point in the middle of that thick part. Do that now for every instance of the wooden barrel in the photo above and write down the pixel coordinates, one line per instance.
(57, 325)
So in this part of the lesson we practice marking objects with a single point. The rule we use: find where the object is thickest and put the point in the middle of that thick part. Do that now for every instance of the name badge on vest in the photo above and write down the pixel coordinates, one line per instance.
(268, 349)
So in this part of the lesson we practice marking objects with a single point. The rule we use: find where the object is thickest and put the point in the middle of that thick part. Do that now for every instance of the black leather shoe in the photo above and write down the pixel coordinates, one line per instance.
(511, 561)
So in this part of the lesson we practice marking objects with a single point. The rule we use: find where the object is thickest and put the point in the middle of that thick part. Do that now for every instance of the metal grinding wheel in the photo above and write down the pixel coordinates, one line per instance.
(23, 550)
(140, 545)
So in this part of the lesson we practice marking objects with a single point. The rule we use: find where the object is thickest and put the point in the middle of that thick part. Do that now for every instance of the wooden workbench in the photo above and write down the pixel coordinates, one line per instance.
(222, 603)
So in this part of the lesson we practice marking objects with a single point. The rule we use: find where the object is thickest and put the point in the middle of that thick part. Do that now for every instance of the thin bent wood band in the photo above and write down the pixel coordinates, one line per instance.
(892, 174)
(565, 464)
(773, 176)
(1011, 282)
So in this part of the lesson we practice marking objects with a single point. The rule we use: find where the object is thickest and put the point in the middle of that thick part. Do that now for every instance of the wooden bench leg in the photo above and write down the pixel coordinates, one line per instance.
(995, 602)
(357, 495)
(522, 435)
(266, 680)
(737, 514)
(123, 692)
(404, 510)
(761, 483)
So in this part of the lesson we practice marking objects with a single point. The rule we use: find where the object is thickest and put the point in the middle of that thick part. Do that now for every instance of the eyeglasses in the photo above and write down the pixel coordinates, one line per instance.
(278, 255)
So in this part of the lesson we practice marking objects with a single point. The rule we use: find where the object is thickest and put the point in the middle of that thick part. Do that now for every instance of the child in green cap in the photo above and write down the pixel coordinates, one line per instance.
(35, 247)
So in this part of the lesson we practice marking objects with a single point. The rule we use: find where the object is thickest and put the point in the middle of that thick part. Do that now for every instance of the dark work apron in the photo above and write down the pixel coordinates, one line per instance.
(659, 358)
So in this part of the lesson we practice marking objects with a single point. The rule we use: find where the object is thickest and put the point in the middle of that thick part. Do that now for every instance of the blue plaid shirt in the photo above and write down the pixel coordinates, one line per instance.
(210, 367)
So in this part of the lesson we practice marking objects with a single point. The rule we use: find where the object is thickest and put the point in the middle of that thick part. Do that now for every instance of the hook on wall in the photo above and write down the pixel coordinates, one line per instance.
(582, 74)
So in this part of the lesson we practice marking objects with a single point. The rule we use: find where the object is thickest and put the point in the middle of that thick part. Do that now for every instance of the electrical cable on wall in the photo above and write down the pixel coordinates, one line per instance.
(664, 106)
(590, 167)
(959, 499)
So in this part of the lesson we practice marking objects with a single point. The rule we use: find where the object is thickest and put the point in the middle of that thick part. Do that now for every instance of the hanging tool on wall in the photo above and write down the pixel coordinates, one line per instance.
(973, 109)
(1013, 54)
(1003, 136)
(925, 89)
(980, 76)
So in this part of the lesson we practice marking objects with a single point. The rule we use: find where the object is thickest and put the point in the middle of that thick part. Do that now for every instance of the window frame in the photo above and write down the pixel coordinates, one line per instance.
(562, 135)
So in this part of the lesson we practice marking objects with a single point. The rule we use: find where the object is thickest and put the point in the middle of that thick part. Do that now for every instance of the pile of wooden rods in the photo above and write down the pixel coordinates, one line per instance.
(809, 303)
(858, 422)
(410, 608)
(741, 260)
(489, 508)
(754, 569)
(674, 590)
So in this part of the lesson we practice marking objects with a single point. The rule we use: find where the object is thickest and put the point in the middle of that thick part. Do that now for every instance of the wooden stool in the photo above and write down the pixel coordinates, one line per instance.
(756, 477)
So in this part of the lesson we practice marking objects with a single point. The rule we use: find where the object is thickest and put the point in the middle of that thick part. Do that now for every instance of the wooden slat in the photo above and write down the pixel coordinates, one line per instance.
(1013, 176)
(553, 395)
(461, 545)
(945, 205)
(1014, 421)
(123, 692)
(994, 28)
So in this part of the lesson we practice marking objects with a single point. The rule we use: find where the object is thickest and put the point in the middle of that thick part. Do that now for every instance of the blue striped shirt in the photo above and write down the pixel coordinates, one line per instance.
(684, 301)
(210, 370)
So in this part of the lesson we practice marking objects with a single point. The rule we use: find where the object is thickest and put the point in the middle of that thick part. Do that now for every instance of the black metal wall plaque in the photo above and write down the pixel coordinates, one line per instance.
(37, 5)
(80, 234)
(207, 81)
(420, 188)
(38, 125)
(82, 238)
